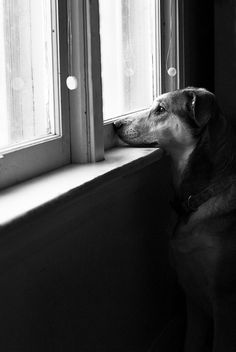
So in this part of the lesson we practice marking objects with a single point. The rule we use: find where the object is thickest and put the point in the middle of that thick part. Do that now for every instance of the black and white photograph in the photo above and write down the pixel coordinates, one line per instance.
(118, 175)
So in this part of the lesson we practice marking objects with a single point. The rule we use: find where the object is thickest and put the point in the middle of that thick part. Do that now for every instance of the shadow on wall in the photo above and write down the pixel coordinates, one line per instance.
(225, 56)
(91, 272)
(199, 43)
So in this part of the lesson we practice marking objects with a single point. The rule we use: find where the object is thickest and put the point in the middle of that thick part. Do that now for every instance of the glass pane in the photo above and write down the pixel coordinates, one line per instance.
(26, 71)
(128, 32)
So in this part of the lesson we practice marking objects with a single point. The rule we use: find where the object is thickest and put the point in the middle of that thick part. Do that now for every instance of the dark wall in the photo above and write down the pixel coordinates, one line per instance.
(91, 272)
(210, 49)
(225, 55)
(199, 43)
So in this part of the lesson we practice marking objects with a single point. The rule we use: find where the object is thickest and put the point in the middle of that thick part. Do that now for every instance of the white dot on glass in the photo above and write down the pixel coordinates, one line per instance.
(172, 71)
(129, 72)
(18, 83)
(71, 82)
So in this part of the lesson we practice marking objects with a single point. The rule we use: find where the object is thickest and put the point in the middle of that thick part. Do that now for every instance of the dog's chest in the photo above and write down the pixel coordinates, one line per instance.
(195, 255)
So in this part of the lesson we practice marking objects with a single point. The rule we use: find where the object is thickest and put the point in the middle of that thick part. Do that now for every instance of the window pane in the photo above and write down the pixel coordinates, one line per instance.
(128, 32)
(26, 70)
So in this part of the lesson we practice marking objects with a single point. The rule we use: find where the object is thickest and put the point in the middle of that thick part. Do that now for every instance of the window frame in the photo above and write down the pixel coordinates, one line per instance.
(31, 159)
(86, 101)
(85, 136)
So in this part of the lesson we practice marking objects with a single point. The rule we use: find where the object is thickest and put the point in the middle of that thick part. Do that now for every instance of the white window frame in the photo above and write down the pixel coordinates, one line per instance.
(84, 135)
(86, 101)
(31, 159)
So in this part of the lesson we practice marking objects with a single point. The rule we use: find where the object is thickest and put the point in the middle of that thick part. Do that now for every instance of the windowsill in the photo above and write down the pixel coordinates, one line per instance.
(23, 199)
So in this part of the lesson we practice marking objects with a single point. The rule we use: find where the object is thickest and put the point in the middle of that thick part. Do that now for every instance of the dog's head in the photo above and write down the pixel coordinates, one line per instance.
(175, 119)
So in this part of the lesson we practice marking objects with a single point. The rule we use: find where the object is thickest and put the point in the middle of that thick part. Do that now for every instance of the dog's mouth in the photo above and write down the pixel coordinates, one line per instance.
(133, 137)
(151, 145)
(143, 144)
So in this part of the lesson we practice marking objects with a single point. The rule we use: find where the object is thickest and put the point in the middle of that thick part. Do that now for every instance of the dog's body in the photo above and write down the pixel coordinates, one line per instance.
(189, 126)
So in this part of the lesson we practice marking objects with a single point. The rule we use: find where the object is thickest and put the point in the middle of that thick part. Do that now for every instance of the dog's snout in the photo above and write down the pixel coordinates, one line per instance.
(118, 124)
(121, 123)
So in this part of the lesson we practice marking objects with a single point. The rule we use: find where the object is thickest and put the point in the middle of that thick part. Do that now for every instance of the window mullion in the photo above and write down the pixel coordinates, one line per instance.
(171, 44)
(94, 81)
(86, 101)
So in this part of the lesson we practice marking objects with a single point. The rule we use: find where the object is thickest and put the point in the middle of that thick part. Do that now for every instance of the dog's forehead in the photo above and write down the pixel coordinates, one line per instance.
(170, 99)
(161, 98)
(176, 101)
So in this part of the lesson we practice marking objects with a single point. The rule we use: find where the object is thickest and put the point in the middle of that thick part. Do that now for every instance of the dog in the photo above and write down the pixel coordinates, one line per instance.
(189, 126)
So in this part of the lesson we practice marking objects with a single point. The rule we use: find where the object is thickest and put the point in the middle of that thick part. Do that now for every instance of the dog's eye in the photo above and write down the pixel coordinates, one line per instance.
(160, 109)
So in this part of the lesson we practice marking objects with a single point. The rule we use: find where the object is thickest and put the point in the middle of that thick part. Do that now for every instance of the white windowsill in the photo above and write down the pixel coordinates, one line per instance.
(22, 199)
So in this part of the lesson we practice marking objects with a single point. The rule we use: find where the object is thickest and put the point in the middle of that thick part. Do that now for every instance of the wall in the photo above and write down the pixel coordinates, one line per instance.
(225, 55)
(91, 272)
(199, 43)
(210, 49)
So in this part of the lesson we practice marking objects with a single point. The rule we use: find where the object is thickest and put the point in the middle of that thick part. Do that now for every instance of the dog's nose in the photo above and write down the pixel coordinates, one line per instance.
(123, 122)
(118, 124)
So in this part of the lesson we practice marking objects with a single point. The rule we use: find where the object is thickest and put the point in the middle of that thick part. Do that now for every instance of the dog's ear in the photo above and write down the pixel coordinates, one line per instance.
(201, 105)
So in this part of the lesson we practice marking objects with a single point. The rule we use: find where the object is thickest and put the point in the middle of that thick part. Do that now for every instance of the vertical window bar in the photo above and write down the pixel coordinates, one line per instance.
(170, 55)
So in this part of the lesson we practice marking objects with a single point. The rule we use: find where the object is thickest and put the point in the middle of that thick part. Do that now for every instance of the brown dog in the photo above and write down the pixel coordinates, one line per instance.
(190, 127)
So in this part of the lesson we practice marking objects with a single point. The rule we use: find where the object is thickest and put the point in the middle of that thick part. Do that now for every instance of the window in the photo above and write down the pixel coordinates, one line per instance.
(118, 54)
(130, 75)
(32, 132)
(26, 67)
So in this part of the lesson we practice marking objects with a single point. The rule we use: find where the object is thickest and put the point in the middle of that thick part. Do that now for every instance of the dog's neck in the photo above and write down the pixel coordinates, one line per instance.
(208, 161)
(180, 158)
